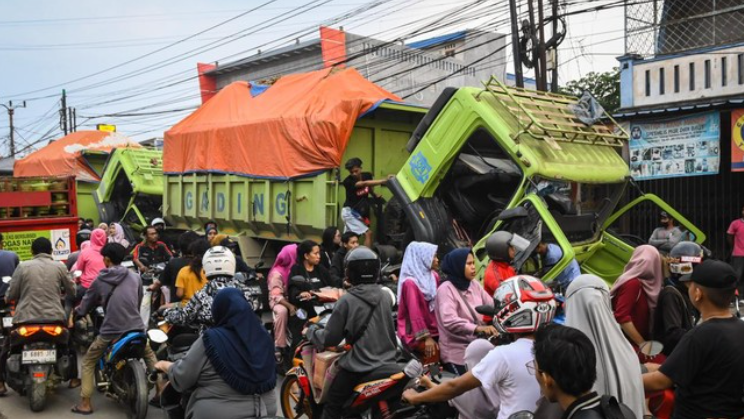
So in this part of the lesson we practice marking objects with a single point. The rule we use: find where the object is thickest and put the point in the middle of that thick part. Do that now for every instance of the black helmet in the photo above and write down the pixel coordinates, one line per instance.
(362, 266)
(683, 258)
(82, 236)
(497, 246)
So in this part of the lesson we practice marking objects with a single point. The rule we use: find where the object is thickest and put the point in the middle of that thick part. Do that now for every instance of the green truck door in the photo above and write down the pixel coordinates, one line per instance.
(621, 237)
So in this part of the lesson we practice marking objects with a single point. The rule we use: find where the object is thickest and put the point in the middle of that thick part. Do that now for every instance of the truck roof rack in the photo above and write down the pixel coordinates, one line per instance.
(548, 116)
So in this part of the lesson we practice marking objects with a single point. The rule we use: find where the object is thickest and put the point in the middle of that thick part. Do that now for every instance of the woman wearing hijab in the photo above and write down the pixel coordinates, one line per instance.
(417, 290)
(230, 368)
(635, 293)
(618, 371)
(278, 281)
(457, 321)
(116, 235)
(329, 245)
(90, 261)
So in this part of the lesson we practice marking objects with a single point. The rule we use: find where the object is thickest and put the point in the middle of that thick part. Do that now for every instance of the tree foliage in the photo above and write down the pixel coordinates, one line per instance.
(605, 87)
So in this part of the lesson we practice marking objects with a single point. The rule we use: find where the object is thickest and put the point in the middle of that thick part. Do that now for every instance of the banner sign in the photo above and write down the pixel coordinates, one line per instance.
(675, 147)
(20, 242)
(737, 140)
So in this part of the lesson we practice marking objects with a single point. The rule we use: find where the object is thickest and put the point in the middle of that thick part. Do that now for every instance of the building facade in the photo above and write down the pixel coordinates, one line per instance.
(682, 101)
(417, 71)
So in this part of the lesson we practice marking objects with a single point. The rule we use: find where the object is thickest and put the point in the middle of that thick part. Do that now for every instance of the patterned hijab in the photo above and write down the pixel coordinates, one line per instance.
(416, 267)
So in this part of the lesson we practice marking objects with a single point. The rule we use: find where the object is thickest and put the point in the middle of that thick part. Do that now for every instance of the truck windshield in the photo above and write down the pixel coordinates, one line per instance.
(579, 208)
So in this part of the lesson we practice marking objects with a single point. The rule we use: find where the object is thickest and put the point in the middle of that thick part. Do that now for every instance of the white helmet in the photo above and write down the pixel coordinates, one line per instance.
(522, 304)
(218, 261)
(156, 221)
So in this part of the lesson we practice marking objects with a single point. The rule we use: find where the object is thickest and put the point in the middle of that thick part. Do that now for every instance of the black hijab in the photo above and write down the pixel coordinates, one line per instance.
(453, 266)
(239, 348)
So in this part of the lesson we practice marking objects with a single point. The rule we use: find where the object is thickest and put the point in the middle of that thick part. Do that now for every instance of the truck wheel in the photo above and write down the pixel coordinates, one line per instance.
(398, 232)
(37, 396)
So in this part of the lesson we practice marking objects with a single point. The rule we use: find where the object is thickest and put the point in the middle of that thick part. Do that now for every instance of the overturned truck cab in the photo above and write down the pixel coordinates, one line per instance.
(501, 158)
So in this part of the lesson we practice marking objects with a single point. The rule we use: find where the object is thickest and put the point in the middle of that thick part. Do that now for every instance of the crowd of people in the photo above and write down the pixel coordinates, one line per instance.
(665, 325)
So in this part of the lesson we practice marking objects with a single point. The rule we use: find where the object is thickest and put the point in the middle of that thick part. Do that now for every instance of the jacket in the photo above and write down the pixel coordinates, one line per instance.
(119, 291)
(594, 406)
(198, 310)
(674, 317)
(90, 261)
(376, 345)
(337, 265)
(36, 285)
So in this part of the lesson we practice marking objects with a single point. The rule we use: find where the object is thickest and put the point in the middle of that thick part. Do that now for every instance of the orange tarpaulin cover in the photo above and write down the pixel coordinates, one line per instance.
(299, 126)
(64, 157)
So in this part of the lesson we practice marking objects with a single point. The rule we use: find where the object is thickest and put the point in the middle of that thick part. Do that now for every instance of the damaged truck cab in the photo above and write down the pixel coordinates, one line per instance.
(500, 158)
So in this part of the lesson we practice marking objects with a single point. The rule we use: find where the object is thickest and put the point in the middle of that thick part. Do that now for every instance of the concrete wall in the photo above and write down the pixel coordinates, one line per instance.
(654, 67)
(404, 70)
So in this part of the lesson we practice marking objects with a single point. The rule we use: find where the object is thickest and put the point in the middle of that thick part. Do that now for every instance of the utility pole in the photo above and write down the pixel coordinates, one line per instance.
(542, 56)
(515, 43)
(63, 112)
(554, 75)
(11, 110)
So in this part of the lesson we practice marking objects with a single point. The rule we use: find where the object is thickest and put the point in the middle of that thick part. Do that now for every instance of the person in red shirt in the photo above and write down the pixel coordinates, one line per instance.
(501, 253)
(635, 294)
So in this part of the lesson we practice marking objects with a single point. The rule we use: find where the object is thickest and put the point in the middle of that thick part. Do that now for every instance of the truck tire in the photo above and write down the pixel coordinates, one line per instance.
(398, 232)
(37, 396)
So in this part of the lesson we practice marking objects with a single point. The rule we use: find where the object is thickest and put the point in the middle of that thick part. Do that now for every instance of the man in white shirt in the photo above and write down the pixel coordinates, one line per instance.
(506, 373)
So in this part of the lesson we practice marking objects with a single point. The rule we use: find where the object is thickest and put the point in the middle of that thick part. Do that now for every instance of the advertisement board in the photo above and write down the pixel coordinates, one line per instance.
(675, 147)
(20, 242)
(737, 140)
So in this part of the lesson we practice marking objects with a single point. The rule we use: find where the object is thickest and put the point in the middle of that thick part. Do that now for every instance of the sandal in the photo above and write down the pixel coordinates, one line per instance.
(76, 410)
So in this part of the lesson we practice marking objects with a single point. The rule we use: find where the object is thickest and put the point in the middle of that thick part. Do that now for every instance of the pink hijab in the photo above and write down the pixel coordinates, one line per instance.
(645, 265)
(284, 261)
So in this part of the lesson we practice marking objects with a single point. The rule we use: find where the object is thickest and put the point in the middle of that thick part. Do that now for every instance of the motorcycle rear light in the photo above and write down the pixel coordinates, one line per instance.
(27, 331)
(52, 330)
(39, 374)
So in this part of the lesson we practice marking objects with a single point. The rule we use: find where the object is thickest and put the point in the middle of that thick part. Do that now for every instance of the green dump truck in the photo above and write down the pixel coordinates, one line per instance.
(131, 188)
(480, 160)
(499, 158)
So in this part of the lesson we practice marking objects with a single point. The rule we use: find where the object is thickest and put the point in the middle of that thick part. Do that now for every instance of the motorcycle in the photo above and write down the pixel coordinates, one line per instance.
(305, 387)
(39, 357)
(172, 402)
(6, 312)
(120, 373)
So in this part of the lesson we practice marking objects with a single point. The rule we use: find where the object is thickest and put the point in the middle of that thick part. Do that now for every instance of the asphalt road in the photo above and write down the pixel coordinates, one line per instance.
(59, 403)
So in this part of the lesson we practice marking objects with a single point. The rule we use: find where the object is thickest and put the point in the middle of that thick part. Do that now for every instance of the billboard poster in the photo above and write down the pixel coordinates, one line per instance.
(20, 242)
(675, 147)
(737, 140)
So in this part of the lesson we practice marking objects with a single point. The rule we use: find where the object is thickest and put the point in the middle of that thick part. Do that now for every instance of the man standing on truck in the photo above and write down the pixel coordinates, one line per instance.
(356, 210)
(150, 251)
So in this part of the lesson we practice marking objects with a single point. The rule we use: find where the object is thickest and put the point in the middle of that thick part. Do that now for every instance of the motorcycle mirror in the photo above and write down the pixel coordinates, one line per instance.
(259, 265)
(77, 274)
(157, 336)
(486, 310)
(6, 279)
(524, 414)
(651, 348)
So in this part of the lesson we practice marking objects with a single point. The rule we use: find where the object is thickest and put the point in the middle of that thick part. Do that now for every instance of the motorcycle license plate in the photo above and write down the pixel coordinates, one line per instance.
(39, 356)
(7, 322)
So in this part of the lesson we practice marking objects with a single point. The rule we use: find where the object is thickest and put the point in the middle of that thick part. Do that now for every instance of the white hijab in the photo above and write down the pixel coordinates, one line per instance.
(588, 309)
(416, 266)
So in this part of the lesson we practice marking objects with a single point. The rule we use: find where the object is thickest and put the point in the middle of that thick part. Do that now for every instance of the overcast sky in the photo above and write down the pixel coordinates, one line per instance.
(98, 51)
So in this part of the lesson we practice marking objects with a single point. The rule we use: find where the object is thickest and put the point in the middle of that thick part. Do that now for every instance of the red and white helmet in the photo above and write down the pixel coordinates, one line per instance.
(522, 304)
